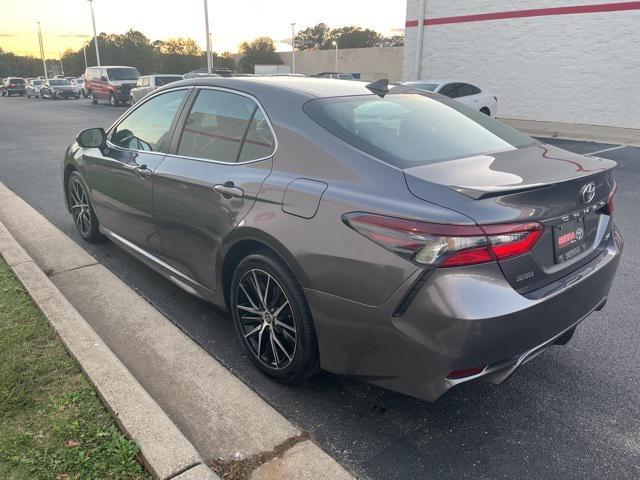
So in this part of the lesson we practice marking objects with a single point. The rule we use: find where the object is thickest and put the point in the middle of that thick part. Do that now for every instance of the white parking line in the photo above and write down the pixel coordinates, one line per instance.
(611, 149)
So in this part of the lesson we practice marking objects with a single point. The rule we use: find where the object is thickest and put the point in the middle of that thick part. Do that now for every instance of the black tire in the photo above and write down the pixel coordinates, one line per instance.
(77, 194)
(486, 111)
(28, 95)
(93, 99)
(302, 361)
(113, 101)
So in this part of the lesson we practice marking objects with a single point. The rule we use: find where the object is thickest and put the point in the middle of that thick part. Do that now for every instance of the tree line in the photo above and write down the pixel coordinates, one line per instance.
(181, 55)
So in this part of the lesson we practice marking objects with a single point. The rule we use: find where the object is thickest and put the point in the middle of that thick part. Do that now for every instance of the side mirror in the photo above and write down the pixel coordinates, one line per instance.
(103, 78)
(92, 138)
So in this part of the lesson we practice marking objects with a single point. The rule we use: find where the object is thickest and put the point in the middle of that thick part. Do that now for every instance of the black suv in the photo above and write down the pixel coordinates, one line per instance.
(11, 85)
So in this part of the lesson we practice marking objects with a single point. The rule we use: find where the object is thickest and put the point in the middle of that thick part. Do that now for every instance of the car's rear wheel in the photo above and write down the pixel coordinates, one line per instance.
(486, 111)
(272, 318)
(93, 99)
(113, 101)
(84, 216)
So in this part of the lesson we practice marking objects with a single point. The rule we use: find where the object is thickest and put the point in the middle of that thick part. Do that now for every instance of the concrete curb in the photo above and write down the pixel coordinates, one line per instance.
(165, 450)
(568, 131)
(203, 412)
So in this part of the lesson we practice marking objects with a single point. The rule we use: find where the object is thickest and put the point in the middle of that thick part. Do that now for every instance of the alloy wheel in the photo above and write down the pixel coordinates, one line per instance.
(80, 207)
(266, 319)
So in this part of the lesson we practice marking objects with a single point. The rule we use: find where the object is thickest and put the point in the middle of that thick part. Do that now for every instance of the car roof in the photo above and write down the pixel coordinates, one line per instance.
(309, 86)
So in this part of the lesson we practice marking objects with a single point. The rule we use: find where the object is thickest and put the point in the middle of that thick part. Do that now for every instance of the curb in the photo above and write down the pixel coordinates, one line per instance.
(166, 452)
(185, 410)
(569, 131)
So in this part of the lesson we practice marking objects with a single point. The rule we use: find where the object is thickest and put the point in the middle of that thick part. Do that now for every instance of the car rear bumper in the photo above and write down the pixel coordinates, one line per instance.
(460, 318)
(65, 94)
(13, 91)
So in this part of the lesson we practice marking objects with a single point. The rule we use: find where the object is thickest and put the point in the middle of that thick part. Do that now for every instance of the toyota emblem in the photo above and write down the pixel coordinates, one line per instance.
(587, 192)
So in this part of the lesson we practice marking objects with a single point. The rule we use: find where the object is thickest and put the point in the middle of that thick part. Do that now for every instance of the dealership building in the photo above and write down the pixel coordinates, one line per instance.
(568, 61)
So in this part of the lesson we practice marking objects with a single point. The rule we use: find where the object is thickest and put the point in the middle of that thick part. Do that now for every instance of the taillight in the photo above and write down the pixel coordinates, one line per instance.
(11, 85)
(611, 199)
(446, 245)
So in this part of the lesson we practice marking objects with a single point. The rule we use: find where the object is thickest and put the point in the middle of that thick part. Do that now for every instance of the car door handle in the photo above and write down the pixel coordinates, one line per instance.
(143, 172)
(229, 190)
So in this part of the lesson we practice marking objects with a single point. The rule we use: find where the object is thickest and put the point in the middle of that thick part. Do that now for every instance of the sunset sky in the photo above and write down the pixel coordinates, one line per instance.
(67, 23)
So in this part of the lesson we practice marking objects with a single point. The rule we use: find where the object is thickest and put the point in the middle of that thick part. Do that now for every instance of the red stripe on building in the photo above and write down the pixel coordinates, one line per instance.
(536, 12)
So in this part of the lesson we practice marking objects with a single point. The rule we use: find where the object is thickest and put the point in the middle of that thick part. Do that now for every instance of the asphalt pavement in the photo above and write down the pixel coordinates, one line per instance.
(572, 413)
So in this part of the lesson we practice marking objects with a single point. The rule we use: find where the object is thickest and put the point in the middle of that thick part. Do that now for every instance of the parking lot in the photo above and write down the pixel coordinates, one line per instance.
(573, 412)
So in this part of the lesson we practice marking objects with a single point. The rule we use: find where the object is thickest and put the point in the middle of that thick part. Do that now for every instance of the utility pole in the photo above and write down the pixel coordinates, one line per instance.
(44, 62)
(61, 67)
(95, 35)
(293, 47)
(84, 50)
(211, 52)
(206, 26)
(335, 44)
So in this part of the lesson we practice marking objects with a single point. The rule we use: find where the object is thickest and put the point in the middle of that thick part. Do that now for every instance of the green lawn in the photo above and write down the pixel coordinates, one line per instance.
(52, 424)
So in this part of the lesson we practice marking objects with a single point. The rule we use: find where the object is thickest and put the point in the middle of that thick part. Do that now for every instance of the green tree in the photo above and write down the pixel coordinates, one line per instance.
(312, 38)
(353, 37)
(177, 55)
(262, 50)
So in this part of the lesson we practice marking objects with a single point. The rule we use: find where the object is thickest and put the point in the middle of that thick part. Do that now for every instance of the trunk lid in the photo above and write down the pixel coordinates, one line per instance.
(538, 183)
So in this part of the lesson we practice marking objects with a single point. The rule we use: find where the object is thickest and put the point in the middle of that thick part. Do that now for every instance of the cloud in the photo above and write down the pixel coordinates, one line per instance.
(397, 30)
(7, 35)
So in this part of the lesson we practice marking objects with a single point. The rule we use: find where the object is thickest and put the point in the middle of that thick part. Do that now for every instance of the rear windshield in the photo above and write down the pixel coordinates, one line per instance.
(18, 81)
(59, 82)
(38, 82)
(407, 130)
(127, 73)
(168, 79)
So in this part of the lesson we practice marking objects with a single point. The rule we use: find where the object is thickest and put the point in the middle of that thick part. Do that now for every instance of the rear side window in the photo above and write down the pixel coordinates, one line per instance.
(148, 127)
(465, 90)
(450, 90)
(407, 130)
(225, 127)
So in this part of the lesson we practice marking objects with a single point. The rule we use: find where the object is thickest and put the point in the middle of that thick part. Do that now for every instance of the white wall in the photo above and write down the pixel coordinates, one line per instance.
(581, 68)
(372, 63)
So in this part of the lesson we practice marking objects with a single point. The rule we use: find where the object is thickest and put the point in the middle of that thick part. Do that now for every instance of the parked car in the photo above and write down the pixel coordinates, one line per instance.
(399, 237)
(463, 92)
(336, 75)
(148, 83)
(33, 87)
(58, 88)
(202, 72)
(110, 83)
(12, 86)
(78, 83)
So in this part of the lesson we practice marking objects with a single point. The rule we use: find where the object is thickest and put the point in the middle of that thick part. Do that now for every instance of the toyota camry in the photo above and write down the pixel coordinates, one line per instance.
(388, 234)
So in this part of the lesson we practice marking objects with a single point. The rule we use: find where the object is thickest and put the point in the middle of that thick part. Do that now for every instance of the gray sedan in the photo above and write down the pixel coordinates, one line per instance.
(399, 237)
(148, 83)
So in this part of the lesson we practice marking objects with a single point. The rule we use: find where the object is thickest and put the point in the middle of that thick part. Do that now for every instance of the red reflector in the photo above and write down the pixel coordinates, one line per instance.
(469, 257)
(465, 372)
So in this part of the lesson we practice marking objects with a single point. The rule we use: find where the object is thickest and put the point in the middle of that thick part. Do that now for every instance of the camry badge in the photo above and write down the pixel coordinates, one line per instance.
(588, 191)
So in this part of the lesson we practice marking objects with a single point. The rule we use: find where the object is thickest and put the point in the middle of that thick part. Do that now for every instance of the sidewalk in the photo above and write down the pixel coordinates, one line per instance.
(593, 133)
(218, 415)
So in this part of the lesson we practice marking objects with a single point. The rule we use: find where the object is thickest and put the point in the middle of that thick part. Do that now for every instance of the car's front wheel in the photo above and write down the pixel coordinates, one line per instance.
(94, 100)
(84, 216)
(272, 318)
(113, 101)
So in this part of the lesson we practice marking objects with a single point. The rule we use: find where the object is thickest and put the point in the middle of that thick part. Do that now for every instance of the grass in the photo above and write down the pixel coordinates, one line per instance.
(52, 424)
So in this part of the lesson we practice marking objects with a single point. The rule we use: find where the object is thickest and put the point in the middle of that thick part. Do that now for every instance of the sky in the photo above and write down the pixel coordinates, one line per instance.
(67, 23)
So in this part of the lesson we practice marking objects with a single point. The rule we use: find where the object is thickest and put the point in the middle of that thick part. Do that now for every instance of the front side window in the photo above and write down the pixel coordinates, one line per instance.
(226, 127)
(407, 130)
(148, 127)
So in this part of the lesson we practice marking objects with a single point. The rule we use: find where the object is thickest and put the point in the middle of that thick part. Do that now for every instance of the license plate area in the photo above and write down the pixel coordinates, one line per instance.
(569, 239)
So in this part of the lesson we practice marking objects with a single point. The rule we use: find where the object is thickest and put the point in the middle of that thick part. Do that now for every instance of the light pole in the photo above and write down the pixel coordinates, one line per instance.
(293, 47)
(335, 44)
(95, 35)
(84, 50)
(206, 26)
(61, 67)
(44, 62)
